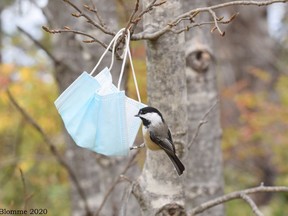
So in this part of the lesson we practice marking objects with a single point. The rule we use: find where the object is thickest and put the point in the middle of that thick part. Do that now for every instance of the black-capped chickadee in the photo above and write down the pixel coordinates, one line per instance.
(157, 135)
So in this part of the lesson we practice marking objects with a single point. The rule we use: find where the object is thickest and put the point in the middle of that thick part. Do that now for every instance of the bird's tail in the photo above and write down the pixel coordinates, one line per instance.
(177, 163)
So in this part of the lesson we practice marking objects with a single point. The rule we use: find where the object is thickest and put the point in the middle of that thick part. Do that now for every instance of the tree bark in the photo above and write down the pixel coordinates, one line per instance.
(159, 184)
(204, 179)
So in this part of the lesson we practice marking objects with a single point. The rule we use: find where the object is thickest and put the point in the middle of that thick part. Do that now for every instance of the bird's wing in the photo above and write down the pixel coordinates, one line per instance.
(170, 139)
(164, 143)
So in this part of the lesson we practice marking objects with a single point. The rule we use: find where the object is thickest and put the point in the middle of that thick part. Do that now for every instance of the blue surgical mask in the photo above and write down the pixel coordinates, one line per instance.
(99, 116)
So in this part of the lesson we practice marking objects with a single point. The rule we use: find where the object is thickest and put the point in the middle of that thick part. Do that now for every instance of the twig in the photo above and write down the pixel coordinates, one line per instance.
(40, 45)
(188, 27)
(118, 180)
(202, 122)
(125, 199)
(137, 147)
(236, 195)
(252, 204)
(216, 19)
(52, 148)
(154, 35)
(121, 39)
(24, 189)
(67, 29)
(133, 13)
(133, 23)
(88, 18)
(95, 11)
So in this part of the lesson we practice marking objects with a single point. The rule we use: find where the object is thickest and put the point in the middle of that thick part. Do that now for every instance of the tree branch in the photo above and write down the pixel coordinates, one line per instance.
(252, 204)
(125, 199)
(118, 180)
(95, 11)
(193, 13)
(52, 148)
(67, 29)
(40, 45)
(202, 122)
(216, 19)
(89, 19)
(236, 195)
(133, 22)
(25, 196)
(188, 27)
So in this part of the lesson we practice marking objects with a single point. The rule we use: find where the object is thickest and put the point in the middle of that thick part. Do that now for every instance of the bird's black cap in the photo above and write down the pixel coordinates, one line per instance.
(149, 110)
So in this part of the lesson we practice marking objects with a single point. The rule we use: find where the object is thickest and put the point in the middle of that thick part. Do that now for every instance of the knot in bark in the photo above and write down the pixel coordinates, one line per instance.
(199, 60)
(171, 209)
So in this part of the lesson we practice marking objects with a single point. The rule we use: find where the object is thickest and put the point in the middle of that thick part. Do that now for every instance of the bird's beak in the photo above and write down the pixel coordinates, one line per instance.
(137, 115)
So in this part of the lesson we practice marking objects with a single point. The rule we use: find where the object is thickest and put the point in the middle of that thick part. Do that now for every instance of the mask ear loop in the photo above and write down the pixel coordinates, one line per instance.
(114, 40)
(113, 49)
(127, 52)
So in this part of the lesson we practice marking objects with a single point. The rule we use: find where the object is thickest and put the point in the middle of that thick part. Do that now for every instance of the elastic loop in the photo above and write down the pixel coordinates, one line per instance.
(127, 52)
(113, 49)
(134, 76)
(107, 49)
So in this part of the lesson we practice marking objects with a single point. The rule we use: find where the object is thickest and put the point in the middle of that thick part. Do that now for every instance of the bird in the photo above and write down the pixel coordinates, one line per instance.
(157, 135)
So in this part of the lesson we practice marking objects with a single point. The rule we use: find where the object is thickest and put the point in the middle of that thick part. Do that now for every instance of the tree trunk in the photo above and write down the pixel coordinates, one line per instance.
(204, 160)
(159, 183)
(95, 172)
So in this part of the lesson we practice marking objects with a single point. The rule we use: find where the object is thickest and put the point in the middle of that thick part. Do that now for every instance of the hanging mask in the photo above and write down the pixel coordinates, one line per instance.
(96, 114)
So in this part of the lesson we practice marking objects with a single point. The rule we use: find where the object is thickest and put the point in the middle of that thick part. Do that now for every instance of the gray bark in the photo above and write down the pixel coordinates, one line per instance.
(159, 183)
(95, 172)
(204, 179)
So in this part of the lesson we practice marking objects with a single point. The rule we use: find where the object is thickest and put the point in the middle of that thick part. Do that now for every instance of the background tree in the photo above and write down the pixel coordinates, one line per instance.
(204, 159)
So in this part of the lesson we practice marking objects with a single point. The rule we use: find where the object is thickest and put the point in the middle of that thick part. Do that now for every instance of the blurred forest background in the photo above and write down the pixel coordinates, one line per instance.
(252, 62)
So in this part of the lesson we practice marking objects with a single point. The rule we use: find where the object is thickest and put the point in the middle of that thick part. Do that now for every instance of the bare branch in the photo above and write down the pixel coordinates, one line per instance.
(236, 195)
(137, 147)
(95, 11)
(188, 27)
(216, 19)
(136, 8)
(252, 204)
(118, 180)
(133, 23)
(154, 35)
(40, 45)
(25, 197)
(125, 199)
(202, 122)
(67, 29)
(52, 148)
(88, 18)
